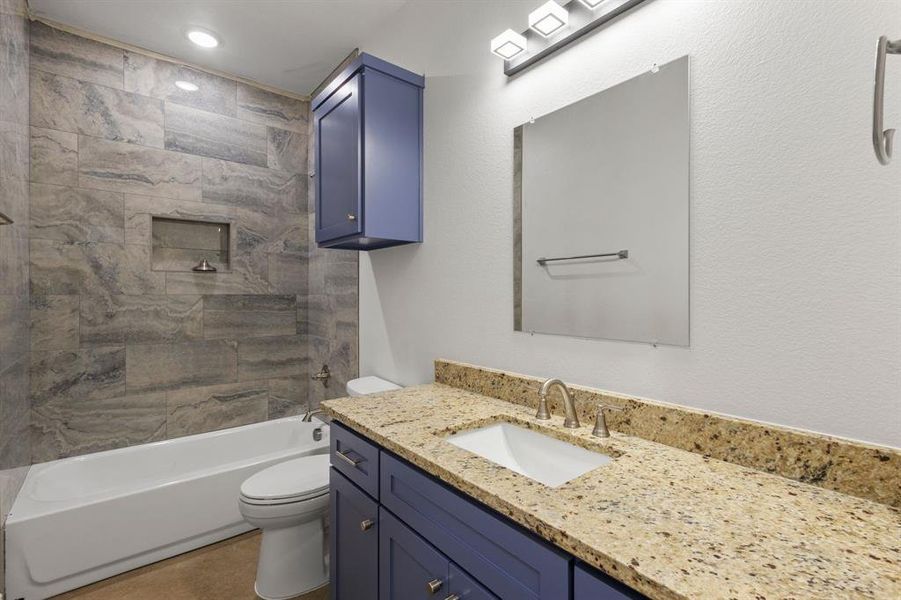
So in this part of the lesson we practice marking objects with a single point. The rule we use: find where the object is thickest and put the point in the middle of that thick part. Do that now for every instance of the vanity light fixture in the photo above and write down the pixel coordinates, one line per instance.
(203, 38)
(187, 86)
(592, 4)
(548, 19)
(508, 44)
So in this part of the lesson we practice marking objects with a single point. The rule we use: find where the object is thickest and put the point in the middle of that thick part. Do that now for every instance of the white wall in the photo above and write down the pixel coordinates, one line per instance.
(795, 227)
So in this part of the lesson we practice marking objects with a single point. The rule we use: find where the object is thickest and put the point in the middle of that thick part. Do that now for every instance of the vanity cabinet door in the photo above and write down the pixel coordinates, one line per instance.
(463, 587)
(410, 568)
(589, 584)
(353, 541)
(339, 168)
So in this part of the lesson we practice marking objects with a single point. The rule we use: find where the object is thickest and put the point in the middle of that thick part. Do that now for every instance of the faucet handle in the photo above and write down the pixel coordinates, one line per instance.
(600, 423)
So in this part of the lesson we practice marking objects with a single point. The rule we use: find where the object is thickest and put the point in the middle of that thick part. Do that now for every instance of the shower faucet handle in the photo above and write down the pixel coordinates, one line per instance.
(323, 375)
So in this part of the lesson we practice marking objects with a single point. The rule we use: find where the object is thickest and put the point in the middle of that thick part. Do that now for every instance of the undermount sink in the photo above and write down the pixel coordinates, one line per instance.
(537, 456)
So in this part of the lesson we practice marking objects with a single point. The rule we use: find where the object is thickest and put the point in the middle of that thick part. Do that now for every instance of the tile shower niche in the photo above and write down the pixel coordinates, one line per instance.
(181, 245)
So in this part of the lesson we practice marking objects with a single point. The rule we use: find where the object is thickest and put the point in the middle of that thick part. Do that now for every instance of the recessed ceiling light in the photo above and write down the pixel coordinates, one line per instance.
(508, 44)
(202, 38)
(187, 86)
(548, 19)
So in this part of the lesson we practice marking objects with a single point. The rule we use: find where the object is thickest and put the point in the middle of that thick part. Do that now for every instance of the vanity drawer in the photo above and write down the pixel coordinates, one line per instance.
(508, 561)
(356, 458)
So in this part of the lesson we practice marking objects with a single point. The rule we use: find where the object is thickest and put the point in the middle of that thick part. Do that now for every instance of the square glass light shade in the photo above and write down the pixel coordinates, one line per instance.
(592, 4)
(548, 19)
(508, 44)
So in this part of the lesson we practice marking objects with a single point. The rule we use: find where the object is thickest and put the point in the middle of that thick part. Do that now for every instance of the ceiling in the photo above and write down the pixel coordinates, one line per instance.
(289, 44)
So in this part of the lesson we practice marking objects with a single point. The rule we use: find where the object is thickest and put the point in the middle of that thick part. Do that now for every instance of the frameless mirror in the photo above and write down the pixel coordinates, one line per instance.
(601, 207)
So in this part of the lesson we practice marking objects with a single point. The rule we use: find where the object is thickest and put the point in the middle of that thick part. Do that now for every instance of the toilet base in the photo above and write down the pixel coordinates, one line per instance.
(291, 561)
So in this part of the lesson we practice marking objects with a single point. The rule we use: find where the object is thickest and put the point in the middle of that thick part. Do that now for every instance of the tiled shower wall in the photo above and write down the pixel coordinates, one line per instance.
(15, 452)
(123, 354)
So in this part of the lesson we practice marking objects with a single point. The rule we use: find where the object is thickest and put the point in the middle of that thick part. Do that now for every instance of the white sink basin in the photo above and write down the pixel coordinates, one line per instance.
(545, 459)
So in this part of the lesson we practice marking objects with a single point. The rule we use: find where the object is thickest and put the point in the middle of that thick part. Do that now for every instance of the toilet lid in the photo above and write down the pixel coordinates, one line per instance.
(295, 479)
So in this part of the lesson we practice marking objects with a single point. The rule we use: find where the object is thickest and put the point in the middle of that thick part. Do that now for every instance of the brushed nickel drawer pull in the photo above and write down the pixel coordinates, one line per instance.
(351, 461)
(434, 585)
(366, 525)
(453, 597)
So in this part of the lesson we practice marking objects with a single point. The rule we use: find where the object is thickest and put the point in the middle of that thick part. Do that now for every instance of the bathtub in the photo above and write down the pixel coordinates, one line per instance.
(79, 520)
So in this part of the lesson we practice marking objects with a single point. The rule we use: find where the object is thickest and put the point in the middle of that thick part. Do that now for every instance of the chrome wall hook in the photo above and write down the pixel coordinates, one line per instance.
(883, 139)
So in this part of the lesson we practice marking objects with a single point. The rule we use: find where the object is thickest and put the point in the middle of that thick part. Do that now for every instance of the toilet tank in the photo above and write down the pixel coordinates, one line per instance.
(369, 385)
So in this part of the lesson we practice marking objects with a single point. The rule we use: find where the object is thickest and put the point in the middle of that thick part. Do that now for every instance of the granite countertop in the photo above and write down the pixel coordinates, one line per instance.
(669, 523)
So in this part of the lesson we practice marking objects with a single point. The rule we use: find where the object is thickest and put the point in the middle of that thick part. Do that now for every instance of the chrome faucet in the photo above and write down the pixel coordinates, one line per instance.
(569, 405)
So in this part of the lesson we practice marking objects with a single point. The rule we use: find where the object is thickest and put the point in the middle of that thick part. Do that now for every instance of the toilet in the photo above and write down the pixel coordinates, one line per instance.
(288, 502)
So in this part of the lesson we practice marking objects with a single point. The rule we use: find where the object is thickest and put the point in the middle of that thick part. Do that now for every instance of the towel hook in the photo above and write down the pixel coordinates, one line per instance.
(882, 139)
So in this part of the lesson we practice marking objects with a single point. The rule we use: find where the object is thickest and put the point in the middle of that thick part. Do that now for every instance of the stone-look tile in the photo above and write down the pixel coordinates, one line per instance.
(54, 157)
(271, 358)
(197, 410)
(195, 235)
(14, 326)
(85, 108)
(66, 54)
(14, 256)
(144, 319)
(288, 397)
(14, 158)
(288, 274)
(14, 199)
(54, 323)
(121, 167)
(59, 268)
(14, 410)
(261, 106)
(77, 375)
(139, 209)
(74, 426)
(208, 134)
(264, 190)
(13, 7)
(71, 214)
(13, 70)
(235, 282)
(156, 78)
(844, 466)
(669, 523)
(288, 150)
(241, 316)
(166, 367)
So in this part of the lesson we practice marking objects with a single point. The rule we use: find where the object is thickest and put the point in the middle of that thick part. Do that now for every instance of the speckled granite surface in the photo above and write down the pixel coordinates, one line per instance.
(866, 471)
(670, 523)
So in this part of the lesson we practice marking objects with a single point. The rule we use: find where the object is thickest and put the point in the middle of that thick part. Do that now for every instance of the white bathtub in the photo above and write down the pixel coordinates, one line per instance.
(79, 520)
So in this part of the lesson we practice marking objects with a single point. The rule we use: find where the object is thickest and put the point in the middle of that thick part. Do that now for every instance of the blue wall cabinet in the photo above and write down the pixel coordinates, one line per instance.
(368, 174)
(353, 541)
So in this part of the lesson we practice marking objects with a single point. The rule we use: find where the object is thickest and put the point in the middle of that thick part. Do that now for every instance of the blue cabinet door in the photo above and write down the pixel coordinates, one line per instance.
(589, 584)
(410, 569)
(462, 586)
(338, 163)
(353, 541)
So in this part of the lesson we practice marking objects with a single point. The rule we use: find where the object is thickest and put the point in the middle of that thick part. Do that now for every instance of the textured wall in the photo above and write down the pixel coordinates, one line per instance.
(124, 354)
(795, 227)
(15, 451)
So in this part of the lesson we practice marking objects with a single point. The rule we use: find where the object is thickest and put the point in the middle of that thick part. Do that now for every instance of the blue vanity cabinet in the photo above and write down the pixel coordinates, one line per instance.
(368, 174)
(589, 584)
(410, 568)
(464, 587)
(353, 541)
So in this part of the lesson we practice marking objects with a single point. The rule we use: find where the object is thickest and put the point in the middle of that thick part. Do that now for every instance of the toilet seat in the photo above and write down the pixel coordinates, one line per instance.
(292, 481)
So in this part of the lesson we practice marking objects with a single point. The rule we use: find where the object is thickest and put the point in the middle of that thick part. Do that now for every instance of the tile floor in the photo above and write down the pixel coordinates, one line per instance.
(223, 571)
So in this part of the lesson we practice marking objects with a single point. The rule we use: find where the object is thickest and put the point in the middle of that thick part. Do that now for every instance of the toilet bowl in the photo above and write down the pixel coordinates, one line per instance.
(288, 503)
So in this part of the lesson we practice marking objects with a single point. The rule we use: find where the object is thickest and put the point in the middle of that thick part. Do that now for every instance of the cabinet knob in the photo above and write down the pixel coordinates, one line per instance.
(453, 597)
(434, 585)
(366, 525)
(351, 217)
